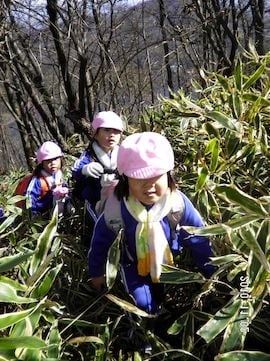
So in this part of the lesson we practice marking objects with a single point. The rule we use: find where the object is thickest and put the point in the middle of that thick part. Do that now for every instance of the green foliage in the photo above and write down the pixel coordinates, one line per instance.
(221, 140)
(220, 135)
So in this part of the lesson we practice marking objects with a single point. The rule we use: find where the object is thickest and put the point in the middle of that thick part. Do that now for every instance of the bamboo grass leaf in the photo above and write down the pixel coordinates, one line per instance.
(250, 240)
(254, 98)
(175, 275)
(41, 270)
(243, 356)
(55, 341)
(235, 195)
(44, 243)
(31, 342)
(221, 228)
(236, 105)
(46, 284)
(254, 77)
(8, 222)
(84, 339)
(236, 331)
(129, 307)
(16, 285)
(229, 258)
(178, 325)
(220, 321)
(9, 262)
(8, 294)
(224, 120)
(9, 319)
(202, 179)
(22, 328)
(238, 74)
(113, 260)
(223, 81)
(213, 149)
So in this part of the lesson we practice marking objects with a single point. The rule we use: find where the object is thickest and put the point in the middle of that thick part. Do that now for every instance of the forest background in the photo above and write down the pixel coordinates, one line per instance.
(197, 71)
(62, 61)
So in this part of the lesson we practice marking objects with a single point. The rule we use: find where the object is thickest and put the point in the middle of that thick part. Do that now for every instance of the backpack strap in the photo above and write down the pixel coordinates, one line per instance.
(114, 220)
(112, 214)
(44, 186)
(177, 211)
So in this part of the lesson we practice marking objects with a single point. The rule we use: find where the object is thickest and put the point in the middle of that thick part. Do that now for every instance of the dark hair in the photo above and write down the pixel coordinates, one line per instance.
(37, 170)
(122, 189)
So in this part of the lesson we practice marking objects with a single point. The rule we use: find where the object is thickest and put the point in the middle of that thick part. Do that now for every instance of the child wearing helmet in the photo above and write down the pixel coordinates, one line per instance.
(95, 171)
(46, 185)
(147, 193)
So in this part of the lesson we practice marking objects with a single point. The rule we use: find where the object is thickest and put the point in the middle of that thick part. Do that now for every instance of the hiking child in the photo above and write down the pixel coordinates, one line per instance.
(46, 185)
(147, 192)
(95, 171)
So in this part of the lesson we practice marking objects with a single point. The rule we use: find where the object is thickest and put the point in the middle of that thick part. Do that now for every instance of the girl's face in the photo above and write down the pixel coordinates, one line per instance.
(148, 191)
(52, 165)
(108, 138)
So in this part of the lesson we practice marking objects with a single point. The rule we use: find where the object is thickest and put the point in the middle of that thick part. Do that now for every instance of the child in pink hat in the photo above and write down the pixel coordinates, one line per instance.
(95, 171)
(147, 194)
(46, 185)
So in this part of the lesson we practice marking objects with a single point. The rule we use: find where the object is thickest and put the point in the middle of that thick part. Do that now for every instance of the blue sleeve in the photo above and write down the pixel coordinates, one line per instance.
(84, 159)
(102, 239)
(34, 192)
(199, 246)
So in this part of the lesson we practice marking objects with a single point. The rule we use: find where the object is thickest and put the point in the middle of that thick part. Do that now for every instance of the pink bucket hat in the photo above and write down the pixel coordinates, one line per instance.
(107, 119)
(145, 155)
(48, 150)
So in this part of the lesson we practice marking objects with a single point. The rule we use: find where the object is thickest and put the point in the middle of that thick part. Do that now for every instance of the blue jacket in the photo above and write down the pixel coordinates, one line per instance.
(103, 238)
(39, 204)
(86, 188)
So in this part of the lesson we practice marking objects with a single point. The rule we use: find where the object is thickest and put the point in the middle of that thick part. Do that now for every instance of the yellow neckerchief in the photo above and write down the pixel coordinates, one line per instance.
(151, 243)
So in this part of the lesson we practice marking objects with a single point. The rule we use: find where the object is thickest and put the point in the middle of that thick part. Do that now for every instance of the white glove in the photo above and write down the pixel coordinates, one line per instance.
(93, 169)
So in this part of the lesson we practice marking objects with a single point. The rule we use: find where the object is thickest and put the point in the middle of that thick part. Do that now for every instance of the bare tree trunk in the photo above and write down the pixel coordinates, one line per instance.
(257, 8)
(162, 17)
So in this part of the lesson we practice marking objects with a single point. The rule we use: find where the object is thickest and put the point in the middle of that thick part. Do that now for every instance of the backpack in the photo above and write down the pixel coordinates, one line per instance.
(24, 183)
(114, 220)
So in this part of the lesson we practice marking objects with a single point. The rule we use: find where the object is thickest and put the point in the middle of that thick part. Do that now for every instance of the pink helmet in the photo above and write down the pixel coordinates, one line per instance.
(145, 155)
(48, 150)
(107, 119)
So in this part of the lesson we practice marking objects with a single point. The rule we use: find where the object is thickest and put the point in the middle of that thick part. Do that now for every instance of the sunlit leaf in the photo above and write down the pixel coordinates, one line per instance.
(55, 342)
(212, 148)
(250, 240)
(241, 198)
(254, 77)
(129, 307)
(47, 282)
(16, 285)
(236, 331)
(238, 73)
(7, 222)
(11, 318)
(113, 260)
(9, 262)
(223, 119)
(175, 275)
(84, 339)
(8, 294)
(178, 325)
(243, 356)
(21, 342)
(229, 258)
(203, 176)
(220, 321)
(44, 243)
